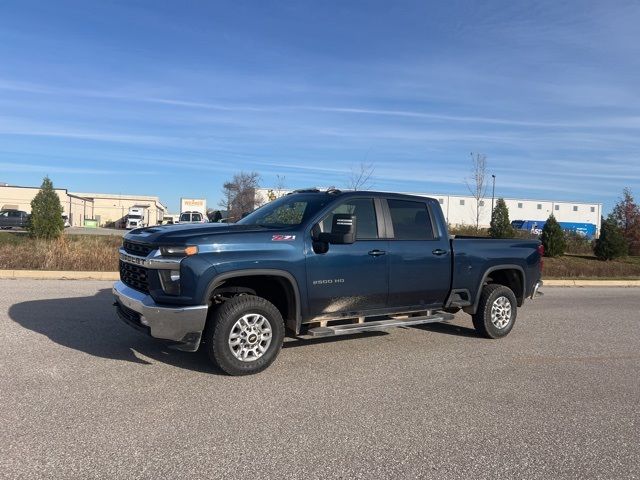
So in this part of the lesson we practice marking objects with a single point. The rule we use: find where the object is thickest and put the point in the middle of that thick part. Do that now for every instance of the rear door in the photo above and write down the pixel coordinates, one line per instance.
(14, 218)
(419, 256)
(349, 278)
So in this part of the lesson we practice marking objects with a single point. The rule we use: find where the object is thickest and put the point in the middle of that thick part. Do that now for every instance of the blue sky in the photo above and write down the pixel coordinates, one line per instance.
(172, 98)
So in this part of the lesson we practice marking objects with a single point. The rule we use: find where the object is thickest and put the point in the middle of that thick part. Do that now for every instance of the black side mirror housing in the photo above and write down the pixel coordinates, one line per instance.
(343, 230)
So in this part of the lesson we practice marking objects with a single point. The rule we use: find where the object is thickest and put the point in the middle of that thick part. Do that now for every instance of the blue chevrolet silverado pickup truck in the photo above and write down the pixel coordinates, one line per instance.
(316, 264)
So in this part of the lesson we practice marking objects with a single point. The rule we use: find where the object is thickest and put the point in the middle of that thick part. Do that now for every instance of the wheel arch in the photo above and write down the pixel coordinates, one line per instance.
(253, 279)
(509, 275)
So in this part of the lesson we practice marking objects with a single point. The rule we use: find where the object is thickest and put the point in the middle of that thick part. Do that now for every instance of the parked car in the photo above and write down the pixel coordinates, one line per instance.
(192, 217)
(319, 264)
(13, 219)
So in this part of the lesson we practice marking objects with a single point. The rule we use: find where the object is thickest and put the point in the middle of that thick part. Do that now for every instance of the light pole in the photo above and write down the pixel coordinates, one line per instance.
(493, 194)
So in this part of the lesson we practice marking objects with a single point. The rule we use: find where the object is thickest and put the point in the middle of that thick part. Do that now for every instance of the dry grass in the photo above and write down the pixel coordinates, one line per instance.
(588, 266)
(70, 252)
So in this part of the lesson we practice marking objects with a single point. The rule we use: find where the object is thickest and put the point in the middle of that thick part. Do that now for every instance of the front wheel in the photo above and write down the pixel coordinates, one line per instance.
(245, 336)
(496, 313)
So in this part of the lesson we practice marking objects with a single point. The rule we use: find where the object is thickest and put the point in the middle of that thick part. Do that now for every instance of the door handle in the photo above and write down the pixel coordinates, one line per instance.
(377, 253)
(439, 251)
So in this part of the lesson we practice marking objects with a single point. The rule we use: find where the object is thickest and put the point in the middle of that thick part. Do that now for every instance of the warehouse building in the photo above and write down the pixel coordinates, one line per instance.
(108, 210)
(460, 210)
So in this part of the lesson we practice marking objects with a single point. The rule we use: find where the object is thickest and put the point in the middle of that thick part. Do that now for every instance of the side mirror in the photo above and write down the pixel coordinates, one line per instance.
(343, 230)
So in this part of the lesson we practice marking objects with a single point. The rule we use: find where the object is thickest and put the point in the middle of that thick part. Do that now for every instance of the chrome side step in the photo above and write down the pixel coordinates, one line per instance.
(377, 325)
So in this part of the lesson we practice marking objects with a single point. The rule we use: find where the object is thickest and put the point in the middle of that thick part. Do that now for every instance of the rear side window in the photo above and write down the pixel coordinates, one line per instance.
(411, 220)
(365, 213)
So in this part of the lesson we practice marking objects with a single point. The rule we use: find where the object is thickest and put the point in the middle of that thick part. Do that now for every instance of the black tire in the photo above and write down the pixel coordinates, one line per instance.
(223, 319)
(482, 318)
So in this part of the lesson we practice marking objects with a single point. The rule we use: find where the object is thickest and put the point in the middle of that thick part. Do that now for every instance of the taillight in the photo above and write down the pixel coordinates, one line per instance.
(541, 252)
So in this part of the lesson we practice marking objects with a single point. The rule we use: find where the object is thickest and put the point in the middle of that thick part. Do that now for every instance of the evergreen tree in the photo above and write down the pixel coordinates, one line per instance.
(626, 215)
(553, 238)
(46, 213)
(611, 243)
(500, 225)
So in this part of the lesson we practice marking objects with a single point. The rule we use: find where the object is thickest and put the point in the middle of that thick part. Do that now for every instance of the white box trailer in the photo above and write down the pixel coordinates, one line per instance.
(193, 205)
(190, 206)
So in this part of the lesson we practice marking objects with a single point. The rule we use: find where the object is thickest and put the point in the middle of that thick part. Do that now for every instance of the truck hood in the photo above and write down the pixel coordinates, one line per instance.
(190, 233)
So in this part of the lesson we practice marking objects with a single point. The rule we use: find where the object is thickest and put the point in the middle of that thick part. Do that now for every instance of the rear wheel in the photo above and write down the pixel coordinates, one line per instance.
(497, 311)
(245, 335)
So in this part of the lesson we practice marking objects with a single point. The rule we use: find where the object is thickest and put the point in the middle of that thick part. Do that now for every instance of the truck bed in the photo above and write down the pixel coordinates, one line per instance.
(474, 258)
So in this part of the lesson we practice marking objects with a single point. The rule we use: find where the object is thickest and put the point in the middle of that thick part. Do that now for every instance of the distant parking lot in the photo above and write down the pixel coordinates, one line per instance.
(84, 396)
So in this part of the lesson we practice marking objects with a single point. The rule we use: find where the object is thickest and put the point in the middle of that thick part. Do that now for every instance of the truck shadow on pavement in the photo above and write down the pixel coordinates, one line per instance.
(90, 325)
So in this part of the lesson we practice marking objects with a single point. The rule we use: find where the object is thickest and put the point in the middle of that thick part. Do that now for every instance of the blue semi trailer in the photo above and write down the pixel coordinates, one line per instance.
(587, 230)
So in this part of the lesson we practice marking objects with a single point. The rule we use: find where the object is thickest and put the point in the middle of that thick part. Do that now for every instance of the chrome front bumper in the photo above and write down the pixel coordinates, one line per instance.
(180, 324)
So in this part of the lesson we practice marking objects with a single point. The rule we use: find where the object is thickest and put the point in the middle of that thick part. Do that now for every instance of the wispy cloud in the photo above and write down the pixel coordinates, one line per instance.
(47, 168)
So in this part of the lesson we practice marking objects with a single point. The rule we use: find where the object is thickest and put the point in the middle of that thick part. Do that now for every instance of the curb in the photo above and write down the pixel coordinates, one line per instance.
(58, 275)
(591, 283)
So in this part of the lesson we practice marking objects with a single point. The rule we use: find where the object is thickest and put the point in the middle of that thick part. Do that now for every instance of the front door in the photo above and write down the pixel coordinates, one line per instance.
(419, 258)
(349, 278)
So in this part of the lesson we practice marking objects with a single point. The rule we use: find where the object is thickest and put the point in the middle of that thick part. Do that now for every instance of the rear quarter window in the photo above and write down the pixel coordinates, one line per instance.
(411, 220)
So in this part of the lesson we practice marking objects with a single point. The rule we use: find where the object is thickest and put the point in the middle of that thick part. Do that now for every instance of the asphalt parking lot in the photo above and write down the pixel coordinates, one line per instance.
(84, 396)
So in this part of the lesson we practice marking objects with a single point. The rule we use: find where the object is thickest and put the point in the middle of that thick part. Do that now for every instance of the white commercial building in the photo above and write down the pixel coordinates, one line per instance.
(461, 209)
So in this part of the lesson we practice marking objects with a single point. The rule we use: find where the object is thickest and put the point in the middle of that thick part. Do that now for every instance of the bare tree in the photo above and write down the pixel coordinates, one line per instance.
(281, 186)
(360, 178)
(277, 191)
(239, 195)
(477, 183)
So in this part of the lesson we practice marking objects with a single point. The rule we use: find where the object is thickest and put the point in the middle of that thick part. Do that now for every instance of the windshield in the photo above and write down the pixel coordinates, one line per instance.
(287, 211)
(134, 217)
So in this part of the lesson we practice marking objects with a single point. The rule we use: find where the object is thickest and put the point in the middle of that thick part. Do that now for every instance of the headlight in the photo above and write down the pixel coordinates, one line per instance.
(178, 251)
(170, 280)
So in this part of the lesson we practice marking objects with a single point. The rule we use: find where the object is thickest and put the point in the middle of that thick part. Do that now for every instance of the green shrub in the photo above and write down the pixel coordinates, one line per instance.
(611, 243)
(578, 244)
(553, 238)
(46, 213)
(467, 231)
(500, 224)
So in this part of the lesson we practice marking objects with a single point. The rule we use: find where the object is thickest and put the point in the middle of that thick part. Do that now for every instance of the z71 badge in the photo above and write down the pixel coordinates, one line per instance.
(283, 238)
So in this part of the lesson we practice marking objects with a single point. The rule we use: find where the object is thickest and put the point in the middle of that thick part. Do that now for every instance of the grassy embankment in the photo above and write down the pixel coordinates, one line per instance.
(71, 252)
(100, 253)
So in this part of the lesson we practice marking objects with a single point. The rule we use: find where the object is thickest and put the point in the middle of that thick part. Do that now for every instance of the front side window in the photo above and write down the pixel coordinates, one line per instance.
(287, 211)
(4, 214)
(411, 220)
(364, 211)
